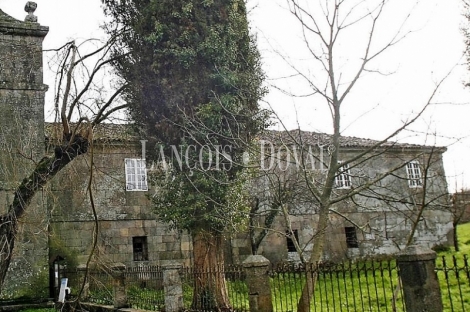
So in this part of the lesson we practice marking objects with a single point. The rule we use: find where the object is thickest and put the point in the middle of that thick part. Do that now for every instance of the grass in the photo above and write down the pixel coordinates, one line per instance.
(453, 273)
(367, 286)
(463, 234)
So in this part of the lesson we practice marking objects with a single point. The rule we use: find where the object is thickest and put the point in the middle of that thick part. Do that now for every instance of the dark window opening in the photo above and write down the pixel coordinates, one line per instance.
(139, 247)
(290, 242)
(351, 237)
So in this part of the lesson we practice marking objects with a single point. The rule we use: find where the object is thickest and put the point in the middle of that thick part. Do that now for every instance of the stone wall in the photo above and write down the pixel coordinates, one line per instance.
(381, 217)
(21, 144)
(123, 215)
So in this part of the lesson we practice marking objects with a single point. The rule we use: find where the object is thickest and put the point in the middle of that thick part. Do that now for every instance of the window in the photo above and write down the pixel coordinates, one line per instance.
(343, 179)
(351, 237)
(139, 248)
(414, 174)
(136, 175)
(290, 242)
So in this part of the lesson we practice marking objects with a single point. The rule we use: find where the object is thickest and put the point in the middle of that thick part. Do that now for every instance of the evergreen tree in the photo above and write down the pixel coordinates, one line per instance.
(195, 81)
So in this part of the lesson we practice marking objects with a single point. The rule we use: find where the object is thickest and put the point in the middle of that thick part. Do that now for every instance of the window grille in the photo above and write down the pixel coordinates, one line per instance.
(136, 175)
(414, 174)
(343, 178)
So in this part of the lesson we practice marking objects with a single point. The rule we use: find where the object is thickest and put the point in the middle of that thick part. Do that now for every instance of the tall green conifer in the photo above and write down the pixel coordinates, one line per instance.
(195, 83)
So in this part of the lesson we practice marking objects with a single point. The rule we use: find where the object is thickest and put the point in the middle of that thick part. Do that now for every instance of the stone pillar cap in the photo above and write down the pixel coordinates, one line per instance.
(255, 261)
(416, 253)
(29, 8)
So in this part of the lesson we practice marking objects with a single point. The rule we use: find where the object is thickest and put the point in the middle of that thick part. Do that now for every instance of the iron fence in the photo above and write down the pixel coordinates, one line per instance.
(349, 286)
(454, 279)
(359, 286)
(237, 288)
(98, 287)
(145, 288)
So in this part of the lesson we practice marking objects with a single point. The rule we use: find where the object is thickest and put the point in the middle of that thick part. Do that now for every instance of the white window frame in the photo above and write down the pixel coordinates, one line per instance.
(413, 172)
(343, 179)
(136, 174)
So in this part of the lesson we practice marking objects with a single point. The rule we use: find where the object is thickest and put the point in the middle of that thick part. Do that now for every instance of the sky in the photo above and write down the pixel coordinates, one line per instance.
(378, 104)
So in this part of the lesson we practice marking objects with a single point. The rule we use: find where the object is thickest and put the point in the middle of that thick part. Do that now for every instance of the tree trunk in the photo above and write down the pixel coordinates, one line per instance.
(8, 230)
(210, 289)
(44, 171)
(316, 256)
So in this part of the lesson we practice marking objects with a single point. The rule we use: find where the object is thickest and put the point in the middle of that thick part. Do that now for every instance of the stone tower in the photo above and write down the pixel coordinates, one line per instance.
(22, 94)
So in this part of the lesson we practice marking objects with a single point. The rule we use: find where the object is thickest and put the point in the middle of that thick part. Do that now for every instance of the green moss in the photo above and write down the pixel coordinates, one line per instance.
(38, 286)
(57, 247)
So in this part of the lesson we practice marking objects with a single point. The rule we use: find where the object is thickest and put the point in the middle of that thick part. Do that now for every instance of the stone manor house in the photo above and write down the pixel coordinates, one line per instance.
(59, 222)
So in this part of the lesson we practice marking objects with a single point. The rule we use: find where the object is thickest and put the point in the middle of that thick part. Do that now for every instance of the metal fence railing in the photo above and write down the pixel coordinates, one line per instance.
(454, 278)
(145, 288)
(349, 286)
(237, 288)
(359, 286)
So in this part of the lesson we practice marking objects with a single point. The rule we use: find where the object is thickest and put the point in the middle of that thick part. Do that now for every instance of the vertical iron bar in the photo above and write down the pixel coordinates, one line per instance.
(345, 285)
(366, 274)
(360, 284)
(457, 276)
(383, 285)
(330, 279)
(375, 284)
(351, 278)
(446, 275)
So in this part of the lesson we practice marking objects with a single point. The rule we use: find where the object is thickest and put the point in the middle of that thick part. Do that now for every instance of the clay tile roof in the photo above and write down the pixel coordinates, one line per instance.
(108, 132)
(105, 132)
(316, 138)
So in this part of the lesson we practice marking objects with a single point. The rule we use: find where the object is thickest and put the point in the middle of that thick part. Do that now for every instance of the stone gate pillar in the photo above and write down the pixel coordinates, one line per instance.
(173, 288)
(259, 289)
(119, 285)
(419, 279)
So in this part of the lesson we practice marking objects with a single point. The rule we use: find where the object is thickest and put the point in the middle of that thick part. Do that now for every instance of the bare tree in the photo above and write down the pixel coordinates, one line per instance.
(323, 28)
(81, 102)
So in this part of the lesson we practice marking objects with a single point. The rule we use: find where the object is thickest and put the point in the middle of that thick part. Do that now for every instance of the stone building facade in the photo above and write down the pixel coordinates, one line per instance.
(61, 220)
(128, 230)
(375, 222)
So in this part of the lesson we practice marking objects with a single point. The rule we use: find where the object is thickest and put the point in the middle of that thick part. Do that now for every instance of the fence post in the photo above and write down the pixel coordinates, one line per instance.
(259, 290)
(119, 285)
(173, 288)
(419, 279)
